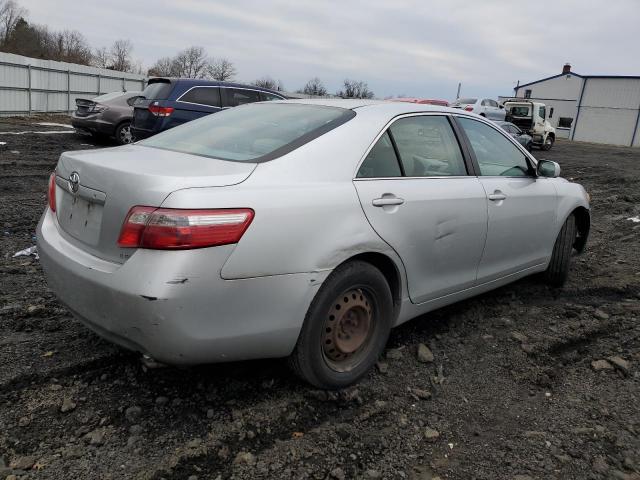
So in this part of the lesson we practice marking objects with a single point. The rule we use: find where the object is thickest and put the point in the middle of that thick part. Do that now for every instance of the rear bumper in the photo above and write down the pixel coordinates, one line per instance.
(92, 124)
(141, 133)
(174, 306)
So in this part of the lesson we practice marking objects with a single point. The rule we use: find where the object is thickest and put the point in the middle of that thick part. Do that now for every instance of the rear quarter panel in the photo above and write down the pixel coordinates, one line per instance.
(307, 213)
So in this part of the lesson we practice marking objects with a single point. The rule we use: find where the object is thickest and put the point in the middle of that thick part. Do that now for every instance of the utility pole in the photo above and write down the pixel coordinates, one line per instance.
(458, 94)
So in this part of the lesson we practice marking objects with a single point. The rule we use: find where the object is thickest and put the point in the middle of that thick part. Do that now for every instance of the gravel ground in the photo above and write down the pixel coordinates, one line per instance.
(526, 382)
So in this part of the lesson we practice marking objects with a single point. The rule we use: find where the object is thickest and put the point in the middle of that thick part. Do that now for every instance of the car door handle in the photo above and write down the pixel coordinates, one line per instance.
(497, 196)
(384, 201)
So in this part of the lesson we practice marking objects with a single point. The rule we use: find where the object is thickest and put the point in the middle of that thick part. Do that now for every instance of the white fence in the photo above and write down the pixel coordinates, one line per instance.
(30, 85)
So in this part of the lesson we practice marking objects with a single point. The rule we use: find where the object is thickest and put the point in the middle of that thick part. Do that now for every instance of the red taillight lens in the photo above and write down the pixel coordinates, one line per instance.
(177, 229)
(51, 194)
(159, 111)
(469, 108)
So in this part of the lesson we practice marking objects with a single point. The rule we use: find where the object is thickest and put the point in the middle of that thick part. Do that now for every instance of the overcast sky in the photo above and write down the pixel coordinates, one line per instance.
(417, 48)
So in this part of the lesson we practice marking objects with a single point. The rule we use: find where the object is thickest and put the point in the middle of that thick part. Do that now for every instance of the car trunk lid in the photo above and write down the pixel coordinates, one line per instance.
(96, 189)
(85, 107)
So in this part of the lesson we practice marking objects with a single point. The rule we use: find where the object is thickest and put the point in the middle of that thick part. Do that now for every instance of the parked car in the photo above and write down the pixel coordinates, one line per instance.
(422, 101)
(531, 117)
(484, 107)
(300, 228)
(107, 115)
(168, 102)
(523, 138)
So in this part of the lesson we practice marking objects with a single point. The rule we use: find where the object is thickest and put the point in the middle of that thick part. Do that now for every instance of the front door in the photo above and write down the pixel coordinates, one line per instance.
(416, 193)
(521, 207)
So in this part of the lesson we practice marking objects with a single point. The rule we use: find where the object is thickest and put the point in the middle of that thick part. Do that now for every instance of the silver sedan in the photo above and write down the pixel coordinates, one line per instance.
(301, 229)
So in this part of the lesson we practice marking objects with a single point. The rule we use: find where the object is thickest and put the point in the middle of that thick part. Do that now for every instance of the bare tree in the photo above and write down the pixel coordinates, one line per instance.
(121, 55)
(355, 89)
(10, 13)
(71, 46)
(162, 68)
(221, 69)
(191, 63)
(314, 87)
(101, 58)
(270, 83)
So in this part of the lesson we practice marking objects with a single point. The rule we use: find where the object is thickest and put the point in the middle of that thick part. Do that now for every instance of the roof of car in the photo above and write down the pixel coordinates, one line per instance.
(205, 82)
(387, 106)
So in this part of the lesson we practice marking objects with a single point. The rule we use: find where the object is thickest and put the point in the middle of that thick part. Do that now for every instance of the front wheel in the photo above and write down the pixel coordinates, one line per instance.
(558, 269)
(346, 327)
(548, 143)
(123, 134)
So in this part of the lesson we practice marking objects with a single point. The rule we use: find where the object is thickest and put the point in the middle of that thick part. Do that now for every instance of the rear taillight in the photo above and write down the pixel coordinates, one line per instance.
(176, 229)
(52, 192)
(469, 108)
(159, 111)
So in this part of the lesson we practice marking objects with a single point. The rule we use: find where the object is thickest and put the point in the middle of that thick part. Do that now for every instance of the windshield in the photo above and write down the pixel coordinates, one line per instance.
(252, 133)
(467, 100)
(157, 90)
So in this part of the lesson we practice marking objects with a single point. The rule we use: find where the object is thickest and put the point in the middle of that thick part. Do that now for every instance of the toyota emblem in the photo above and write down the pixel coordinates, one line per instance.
(74, 182)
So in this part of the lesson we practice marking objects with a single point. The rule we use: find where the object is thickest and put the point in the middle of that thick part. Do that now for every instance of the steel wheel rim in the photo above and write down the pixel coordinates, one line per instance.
(125, 134)
(348, 330)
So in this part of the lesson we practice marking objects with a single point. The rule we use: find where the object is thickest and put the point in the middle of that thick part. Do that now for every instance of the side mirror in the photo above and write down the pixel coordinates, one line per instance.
(501, 106)
(547, 168)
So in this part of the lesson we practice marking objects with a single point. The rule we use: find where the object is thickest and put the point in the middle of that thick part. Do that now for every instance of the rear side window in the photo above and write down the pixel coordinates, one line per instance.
(496, 155)
(381, 162)
(158, 90)
(252, 133)
(237, 96)
(427, 147)
(202, 96)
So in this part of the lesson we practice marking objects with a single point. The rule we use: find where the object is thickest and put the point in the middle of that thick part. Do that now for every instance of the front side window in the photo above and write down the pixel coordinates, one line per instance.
(427, 147)
(381, 161)
(251, 133)
(202, 96)
(237, 96)
(542, 112)
(496, 155)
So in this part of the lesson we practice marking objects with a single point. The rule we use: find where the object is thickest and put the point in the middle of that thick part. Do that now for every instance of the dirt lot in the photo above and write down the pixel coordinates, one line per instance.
(512, 393)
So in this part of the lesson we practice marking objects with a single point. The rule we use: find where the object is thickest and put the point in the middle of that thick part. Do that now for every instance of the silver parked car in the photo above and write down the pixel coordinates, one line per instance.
(485, 107)
(304, 229)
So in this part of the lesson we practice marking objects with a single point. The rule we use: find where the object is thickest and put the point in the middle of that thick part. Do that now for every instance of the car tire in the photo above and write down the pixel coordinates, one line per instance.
(558, 269)
(123, 134)
(548, 143)
(346, 327)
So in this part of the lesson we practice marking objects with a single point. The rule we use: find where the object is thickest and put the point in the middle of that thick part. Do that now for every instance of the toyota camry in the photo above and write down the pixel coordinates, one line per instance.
(301, 229)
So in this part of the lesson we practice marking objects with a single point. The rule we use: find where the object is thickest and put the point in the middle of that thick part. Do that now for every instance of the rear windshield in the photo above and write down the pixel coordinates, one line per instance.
(108, 96)
(520, 111)
(157, 90)
(252, 133)
(467, 100)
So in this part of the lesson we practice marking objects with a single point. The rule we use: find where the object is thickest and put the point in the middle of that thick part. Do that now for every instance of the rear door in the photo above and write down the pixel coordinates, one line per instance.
(521, 206)
(416, 192)
(196, 102)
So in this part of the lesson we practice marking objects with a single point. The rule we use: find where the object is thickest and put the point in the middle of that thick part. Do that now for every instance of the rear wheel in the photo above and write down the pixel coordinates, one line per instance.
(558, 270)
(346, 327)
(123, 134)
(548, 142)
